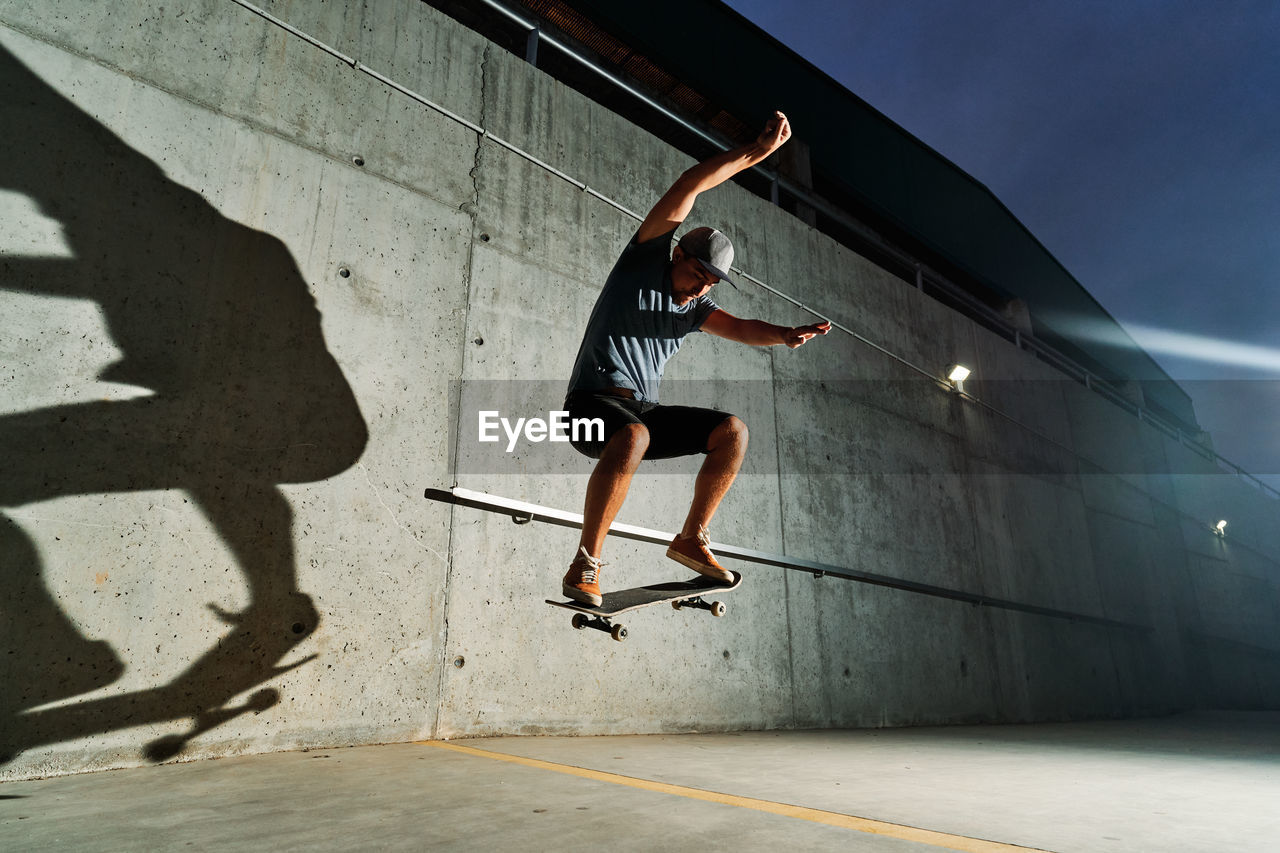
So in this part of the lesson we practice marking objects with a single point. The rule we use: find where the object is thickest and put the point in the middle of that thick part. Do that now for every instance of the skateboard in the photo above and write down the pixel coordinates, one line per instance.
(681, 594)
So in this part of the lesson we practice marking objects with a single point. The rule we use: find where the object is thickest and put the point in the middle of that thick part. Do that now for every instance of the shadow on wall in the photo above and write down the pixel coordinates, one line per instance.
(216, 320)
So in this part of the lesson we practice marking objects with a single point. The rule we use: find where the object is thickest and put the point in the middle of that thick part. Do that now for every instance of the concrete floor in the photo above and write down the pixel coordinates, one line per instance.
(1205, 782)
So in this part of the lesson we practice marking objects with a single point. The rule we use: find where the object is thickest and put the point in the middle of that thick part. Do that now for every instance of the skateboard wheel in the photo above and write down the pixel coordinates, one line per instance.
(675, 605)
(717, 608)
(619, 633)
(579, 620)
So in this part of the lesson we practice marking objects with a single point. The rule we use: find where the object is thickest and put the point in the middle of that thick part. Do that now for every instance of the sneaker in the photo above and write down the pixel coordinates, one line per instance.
(582, 581)
(693, 551)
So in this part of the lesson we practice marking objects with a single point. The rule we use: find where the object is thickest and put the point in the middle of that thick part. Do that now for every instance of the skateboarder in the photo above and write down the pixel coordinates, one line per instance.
(652, 299)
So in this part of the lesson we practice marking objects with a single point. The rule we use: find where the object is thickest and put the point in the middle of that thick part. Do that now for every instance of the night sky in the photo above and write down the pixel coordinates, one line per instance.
(1139, 141)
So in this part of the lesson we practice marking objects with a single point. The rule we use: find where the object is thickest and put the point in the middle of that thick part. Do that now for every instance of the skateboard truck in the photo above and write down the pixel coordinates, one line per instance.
(600, 623)
(717, 608)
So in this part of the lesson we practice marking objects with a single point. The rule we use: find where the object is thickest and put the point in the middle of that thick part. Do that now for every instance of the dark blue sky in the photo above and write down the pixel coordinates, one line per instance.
(1138, 140)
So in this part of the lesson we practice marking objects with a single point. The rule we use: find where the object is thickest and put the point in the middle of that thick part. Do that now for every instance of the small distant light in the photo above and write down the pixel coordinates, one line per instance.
(958, 373)
(1220, 528)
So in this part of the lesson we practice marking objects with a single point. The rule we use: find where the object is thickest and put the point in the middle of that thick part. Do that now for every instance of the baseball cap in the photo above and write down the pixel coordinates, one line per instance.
(711, 249)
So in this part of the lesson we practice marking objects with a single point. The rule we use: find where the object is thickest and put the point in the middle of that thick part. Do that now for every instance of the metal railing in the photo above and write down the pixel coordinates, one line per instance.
(522, 512)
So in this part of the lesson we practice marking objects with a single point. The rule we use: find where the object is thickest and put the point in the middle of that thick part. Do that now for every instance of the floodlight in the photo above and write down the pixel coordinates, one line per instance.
(958, 373)
(1220, 528)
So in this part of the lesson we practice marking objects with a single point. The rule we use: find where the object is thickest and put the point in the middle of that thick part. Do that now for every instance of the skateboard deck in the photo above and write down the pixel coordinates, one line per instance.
(681, 594)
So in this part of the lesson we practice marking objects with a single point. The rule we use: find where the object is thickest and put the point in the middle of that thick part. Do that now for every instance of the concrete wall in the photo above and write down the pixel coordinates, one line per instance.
(231, 364)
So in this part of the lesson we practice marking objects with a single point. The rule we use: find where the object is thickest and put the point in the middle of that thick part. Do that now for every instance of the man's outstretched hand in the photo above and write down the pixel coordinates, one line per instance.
(800, 334)
(776, 131)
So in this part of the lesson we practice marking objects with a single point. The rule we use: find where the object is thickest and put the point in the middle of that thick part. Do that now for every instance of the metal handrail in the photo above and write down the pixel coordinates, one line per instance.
(522, 512)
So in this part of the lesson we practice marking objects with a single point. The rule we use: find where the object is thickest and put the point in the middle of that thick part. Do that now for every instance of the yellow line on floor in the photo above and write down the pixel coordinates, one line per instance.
(860, 824)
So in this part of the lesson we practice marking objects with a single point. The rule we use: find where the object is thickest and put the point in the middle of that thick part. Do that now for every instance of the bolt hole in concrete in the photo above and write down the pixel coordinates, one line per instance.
(358, 160)
(344, 272)
(298, 627)
(484, 238)
(459, 662)
(479, 342)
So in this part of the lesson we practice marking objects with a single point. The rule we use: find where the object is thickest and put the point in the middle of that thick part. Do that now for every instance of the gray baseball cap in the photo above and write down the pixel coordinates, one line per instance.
(712, 249)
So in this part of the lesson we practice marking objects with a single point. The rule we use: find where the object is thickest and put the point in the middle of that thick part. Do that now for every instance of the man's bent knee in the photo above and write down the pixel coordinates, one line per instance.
(731, 431)
(631, 441)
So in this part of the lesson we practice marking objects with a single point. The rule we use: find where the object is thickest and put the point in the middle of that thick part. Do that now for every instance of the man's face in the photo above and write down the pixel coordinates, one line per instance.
(689, 278)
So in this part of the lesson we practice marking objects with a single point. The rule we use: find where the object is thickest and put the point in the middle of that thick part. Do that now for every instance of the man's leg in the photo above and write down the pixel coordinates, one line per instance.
(606, 490)
(680, 431)
(726, 448)
(609, 482)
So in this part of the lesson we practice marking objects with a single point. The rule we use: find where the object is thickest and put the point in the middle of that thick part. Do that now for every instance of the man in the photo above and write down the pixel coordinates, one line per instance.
(649, 303)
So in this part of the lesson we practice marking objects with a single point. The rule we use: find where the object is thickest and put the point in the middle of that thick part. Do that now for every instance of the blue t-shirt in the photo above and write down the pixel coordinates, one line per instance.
(635, 326)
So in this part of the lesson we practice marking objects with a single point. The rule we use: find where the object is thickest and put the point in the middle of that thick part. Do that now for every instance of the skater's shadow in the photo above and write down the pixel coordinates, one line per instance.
(215, 320)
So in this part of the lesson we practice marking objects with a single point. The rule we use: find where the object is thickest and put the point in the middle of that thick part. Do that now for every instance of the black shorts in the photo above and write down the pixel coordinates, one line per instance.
(673, 430)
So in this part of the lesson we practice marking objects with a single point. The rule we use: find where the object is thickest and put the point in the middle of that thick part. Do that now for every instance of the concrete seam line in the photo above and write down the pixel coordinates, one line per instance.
(604, 198)
(535, 161)
(841, 327)
(297, 32)
(859, 824)
(427, 102)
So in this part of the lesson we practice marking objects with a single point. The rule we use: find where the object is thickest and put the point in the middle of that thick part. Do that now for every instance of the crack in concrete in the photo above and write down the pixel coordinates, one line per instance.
(472, 207)
(377, 493)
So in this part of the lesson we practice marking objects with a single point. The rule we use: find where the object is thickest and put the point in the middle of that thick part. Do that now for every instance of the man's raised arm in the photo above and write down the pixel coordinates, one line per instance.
(674, 206)
(758, 333)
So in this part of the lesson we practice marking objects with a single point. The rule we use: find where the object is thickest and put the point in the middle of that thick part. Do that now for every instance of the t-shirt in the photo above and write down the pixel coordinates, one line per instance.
(635, 326)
